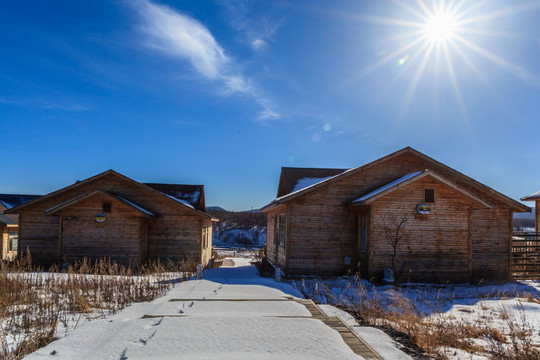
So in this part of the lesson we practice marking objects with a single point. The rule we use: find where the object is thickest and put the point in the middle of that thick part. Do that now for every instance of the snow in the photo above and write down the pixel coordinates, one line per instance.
(534, 196)
(231, 314)
(137, 206)
(7, 205)
(508, 308)
(388, 186)
(377, 339)
(238, 235)
(191, 198)
(66, 202)
(307, 182)
(182, 201)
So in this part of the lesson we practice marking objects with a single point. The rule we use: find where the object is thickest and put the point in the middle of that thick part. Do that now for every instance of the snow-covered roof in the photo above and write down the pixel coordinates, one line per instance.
(140, 208)
(532, 197)
(191, 195)
(388, 186)
(307, 181)
(409, 178)
(181, 201)
(11, 200)
(89, 194)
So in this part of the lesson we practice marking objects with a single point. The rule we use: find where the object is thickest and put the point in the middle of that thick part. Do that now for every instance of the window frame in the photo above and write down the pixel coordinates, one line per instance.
(429, 199)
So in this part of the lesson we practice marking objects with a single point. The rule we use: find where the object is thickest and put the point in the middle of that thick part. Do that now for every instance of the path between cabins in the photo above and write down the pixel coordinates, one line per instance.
(231, 314)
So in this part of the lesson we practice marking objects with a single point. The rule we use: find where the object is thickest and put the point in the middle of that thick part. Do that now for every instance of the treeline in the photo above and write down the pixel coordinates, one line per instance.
(523, 223)
(244, 218)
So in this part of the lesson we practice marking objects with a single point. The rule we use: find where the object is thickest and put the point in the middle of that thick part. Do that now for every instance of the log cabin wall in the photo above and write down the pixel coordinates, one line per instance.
(491, 244)
(434, 247)
(537, 216)
(276, 253)
(4, 237)
(323, 228)
(175, 234)
(118, 238)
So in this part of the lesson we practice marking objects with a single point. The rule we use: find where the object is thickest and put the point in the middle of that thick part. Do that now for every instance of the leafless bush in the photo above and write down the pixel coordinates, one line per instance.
(439, 335)
(35, 305)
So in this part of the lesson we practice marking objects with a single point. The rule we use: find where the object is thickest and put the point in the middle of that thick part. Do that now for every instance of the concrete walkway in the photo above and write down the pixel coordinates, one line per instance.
(231, 314)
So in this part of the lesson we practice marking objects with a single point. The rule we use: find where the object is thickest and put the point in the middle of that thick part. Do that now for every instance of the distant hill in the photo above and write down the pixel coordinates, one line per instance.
(525, 215)
(524, 221)
(238, 229)
(215, 208)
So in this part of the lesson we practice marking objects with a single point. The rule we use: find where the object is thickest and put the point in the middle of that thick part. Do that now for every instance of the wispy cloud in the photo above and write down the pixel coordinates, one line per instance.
(47, 105)
(182, 36)
(256, 31)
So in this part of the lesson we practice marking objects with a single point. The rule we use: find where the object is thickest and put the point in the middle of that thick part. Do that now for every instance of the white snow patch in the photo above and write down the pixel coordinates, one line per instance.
(388, 186)
(184, 324)
(377, 339)
(182, 201)
(136, 206)
(307, 182)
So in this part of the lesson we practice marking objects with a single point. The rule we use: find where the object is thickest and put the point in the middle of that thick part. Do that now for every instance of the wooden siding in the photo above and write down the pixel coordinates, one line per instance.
(434, 247)
(118, 238)
(491, 244)
(274, 252)
(174, 234)
(537, 216)
(323, 228)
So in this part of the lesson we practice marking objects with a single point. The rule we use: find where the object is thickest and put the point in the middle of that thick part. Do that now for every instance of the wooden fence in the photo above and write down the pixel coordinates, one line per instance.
(526, 255)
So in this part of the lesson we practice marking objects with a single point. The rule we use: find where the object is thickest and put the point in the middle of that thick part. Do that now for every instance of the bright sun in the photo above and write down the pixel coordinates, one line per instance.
(441, 27)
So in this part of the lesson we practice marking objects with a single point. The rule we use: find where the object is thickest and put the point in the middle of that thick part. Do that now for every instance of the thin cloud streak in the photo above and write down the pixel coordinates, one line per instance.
(184, 37)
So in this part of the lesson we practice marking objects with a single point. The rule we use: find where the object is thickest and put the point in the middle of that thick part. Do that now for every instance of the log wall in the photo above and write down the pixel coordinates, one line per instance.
(434, 247)
(323, 228)
(174, 234)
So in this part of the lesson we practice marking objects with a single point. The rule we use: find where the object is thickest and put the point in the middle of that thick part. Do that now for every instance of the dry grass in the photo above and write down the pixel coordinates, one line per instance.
(440, 336)
(35, 305)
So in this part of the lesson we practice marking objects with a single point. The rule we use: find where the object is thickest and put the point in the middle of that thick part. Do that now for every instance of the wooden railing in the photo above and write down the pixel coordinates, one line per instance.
(526, 255)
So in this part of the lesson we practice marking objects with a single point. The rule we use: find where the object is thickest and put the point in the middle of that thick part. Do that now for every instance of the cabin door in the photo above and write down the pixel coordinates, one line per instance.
(362, 242)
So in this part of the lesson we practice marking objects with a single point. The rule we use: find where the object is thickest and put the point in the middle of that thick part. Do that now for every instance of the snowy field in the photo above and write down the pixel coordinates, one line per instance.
(474, 322)
(232, 313)
(36, 307)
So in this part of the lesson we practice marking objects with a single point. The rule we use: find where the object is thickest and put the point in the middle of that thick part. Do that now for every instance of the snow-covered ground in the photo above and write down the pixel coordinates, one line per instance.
(512, 309)
(210, 318)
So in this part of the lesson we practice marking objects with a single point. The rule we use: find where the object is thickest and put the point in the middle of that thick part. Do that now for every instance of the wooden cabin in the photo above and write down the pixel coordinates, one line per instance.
(9, 224)
(536, 198)
(112, 216)
(449, 227)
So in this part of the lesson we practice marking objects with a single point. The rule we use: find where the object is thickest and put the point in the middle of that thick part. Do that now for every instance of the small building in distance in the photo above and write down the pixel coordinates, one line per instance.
(9, 224)
(112, 216)
(536, 198)
(438, 224)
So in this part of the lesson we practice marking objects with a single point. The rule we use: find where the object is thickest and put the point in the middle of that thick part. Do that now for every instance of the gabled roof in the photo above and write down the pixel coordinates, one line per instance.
(532, 197)
(192, 195)
(78, 199)
(410, 178)
(293, 179)
(517, 206)
(17, 209)
(11, 200)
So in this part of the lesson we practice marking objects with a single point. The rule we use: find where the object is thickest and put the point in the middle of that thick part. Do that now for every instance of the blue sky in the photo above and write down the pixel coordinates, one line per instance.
(223, 93)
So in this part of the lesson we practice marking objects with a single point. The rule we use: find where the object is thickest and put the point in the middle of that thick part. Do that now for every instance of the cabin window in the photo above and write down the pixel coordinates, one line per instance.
(13, 241)
(282, 229)
(429, 195)
(205, 237)
(106, 207)
(362, 233)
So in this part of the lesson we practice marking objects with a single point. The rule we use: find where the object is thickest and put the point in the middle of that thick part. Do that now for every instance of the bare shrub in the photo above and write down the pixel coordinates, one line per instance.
(439, 335)
(35, 305)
